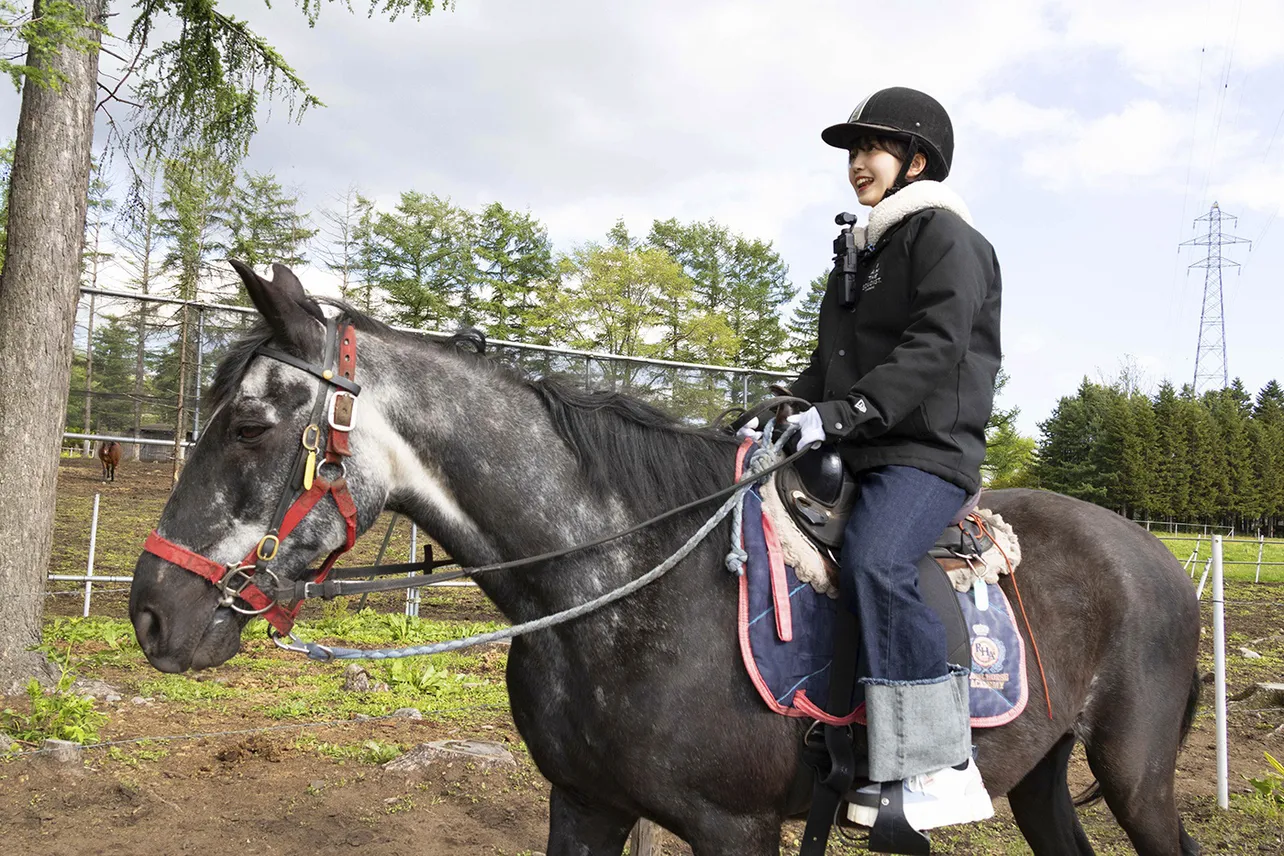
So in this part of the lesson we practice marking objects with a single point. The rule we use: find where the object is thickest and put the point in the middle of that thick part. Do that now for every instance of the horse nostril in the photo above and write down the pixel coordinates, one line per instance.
(147, 627)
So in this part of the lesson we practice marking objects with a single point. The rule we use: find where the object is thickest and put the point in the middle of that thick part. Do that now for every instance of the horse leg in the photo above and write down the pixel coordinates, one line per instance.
(1043, 808)
(1133, 754)
(726, 834)
(579, 828)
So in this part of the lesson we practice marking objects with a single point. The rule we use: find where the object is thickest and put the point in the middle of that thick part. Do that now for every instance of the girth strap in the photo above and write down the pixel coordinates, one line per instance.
(837, 766)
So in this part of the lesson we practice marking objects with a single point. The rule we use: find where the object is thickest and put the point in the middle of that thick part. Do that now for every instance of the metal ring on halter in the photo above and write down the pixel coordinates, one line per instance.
(230, 595)
(343, 471)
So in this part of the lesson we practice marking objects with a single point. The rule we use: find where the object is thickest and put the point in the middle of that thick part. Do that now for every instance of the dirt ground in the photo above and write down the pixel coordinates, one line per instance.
(284, 792)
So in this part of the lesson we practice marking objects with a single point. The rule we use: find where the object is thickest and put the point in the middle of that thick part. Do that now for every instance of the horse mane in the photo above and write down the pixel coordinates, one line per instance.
(624, 446)
(629, 447)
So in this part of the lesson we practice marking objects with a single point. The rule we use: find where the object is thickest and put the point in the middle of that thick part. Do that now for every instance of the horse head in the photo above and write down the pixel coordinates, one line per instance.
(281, 430)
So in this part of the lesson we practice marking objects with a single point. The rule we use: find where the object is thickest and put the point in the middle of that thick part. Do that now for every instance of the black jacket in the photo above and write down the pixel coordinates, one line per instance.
(907, 375)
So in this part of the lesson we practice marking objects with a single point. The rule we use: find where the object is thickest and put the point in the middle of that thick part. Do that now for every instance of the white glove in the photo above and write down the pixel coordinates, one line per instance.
(811, 428)
(749, 429)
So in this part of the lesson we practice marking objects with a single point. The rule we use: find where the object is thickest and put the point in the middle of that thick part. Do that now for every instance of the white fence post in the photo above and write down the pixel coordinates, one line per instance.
(93, 542)
(1219, 673)
(1261, 544)
(412, 594)
(1203, 578)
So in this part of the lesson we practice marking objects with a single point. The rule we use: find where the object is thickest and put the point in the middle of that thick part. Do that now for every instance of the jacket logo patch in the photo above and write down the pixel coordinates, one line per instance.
(860, 405)
(874, 279)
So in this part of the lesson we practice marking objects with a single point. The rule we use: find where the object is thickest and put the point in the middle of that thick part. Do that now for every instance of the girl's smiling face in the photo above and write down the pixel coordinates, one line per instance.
(872, 171)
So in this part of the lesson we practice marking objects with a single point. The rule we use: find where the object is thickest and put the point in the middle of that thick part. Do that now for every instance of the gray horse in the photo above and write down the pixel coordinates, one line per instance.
(643, 709)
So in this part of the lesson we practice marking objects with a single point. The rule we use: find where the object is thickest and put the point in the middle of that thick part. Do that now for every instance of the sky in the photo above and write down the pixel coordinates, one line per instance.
(1090, 136)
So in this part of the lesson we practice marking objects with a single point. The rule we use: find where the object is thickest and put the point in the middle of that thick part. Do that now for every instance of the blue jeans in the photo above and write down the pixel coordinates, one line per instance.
(897, 518)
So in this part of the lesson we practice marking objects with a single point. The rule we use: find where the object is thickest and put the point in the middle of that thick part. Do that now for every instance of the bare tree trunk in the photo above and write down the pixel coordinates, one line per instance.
(89, 376)
(38, 291)
(179, 423)
(141, 348)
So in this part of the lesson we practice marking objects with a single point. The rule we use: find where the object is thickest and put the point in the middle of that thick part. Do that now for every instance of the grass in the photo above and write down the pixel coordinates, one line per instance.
(1238, 550)
(184, 689)
(364, 752)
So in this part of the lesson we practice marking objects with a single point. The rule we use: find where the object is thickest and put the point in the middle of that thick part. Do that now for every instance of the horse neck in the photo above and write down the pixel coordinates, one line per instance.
(475, 461)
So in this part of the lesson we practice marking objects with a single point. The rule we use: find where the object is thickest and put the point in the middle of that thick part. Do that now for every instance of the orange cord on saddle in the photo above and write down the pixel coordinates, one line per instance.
(1047, 696)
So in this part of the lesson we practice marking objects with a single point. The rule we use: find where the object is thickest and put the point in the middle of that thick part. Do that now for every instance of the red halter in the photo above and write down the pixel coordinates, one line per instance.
(334, 409)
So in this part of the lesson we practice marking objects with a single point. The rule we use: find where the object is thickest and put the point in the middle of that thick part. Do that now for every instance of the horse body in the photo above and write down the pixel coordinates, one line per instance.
(643, 709)
(109, 456)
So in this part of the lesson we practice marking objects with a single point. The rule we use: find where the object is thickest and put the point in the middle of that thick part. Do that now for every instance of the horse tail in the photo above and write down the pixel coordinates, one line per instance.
(1192, 705)
(1092, 793)
(1088, 795)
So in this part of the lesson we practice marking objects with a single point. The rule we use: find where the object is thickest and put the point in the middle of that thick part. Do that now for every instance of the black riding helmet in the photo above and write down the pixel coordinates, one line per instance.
(902, 114)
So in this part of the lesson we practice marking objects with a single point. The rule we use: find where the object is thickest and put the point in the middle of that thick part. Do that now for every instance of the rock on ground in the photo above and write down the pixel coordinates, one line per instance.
(481, 754)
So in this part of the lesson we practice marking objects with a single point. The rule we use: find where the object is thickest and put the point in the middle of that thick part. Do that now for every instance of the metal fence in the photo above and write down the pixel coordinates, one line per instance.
(141, 362)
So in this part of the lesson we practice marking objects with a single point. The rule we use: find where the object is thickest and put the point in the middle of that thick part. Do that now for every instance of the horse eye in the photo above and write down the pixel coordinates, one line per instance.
(250, 432)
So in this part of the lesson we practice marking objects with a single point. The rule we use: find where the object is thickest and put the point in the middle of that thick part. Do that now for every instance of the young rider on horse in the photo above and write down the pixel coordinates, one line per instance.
(903, 382)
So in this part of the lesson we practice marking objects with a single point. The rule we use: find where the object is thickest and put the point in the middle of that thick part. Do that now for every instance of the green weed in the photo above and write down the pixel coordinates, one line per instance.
(179, 688)
(369, 752)
(135, 756)
(58, 715)
(1270, 788)
(429, 680)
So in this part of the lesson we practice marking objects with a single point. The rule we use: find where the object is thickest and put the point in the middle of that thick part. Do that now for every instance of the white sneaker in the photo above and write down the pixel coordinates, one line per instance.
(944, 798)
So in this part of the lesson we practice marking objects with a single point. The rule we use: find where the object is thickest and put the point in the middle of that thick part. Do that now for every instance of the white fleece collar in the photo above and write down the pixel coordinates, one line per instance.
(914, 197)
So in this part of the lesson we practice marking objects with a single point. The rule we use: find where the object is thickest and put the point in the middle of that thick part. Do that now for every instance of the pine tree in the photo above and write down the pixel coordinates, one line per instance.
(744, 281)
(264, 225)
(1172, 468)
(1267, 439)
(421, 255)
(1230, 410)
(1269, 405)
(1209, 484)
(514, 257)
(804, 324)
(1065, 452)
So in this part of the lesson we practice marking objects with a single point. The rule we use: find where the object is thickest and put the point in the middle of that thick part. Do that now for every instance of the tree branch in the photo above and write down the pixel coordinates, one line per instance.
(129, 71)
(112, 96)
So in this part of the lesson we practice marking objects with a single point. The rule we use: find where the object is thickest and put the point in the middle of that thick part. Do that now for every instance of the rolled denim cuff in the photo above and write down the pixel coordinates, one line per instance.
(917, 726)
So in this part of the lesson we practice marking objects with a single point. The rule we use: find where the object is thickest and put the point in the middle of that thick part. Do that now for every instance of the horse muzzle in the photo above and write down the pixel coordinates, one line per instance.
(177, 618)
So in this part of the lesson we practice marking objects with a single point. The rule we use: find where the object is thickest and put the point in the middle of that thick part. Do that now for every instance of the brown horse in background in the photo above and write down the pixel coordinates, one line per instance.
(109, 454)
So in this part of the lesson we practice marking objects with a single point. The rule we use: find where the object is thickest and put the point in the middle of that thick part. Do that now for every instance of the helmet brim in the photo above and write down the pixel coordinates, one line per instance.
(845, 135)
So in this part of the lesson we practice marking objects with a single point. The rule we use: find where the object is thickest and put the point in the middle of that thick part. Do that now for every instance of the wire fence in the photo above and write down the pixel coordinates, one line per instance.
(265, 729)
(141, 361)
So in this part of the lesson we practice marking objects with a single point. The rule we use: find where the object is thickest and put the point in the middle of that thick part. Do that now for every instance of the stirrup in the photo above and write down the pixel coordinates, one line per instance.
(891, 832)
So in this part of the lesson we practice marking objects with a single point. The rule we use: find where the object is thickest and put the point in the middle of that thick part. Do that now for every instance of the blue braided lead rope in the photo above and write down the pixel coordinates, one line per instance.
(761, 457)
(734, 502)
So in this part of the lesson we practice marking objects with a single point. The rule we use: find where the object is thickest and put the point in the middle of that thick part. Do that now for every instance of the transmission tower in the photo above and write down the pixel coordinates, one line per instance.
(1210, 356)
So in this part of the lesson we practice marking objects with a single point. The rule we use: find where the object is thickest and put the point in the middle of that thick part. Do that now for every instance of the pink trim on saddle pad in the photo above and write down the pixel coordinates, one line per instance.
(803, 707)
(779, 583)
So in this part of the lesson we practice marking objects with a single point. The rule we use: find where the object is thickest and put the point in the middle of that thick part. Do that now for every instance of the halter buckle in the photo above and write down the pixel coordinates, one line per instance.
(263, 554)
(348, 410)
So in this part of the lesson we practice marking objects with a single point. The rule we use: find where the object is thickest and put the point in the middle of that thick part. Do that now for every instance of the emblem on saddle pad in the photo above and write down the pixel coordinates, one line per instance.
(987, 653)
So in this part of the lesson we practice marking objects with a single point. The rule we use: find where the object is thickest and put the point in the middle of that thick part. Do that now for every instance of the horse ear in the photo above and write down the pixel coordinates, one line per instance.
(292, 315)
